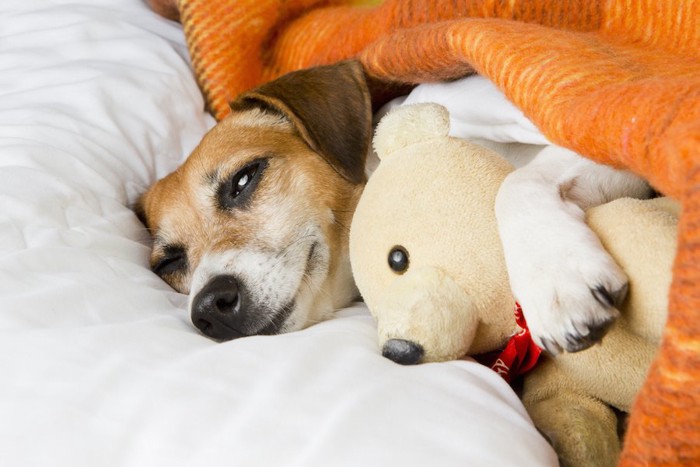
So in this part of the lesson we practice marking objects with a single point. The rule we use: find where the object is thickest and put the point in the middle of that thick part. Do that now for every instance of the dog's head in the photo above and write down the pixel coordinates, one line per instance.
(254, 225)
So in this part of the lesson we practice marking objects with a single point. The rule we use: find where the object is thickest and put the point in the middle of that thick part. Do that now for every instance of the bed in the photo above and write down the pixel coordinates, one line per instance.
(100, 364)
(617, 81)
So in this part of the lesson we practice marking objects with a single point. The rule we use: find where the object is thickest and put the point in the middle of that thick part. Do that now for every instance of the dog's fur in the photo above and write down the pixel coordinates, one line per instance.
(559, 271)
(274, 258)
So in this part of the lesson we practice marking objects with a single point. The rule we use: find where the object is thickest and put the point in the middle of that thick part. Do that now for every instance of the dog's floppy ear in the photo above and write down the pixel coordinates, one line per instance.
(329, 106)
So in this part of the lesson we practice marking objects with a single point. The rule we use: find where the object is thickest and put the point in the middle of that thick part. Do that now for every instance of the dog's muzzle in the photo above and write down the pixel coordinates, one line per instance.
(223, 310)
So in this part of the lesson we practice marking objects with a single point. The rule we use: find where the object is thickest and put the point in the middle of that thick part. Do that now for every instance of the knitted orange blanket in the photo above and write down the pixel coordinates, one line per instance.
(615, 80)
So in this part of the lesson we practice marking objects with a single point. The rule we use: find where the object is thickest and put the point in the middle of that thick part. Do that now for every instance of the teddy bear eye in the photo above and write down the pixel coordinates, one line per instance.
(398, 259)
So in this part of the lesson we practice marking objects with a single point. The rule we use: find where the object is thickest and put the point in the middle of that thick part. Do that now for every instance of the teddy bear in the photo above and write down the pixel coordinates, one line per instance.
(427, 259)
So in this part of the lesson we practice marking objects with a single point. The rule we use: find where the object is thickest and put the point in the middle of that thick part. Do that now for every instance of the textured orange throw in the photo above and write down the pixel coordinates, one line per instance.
(615, 80)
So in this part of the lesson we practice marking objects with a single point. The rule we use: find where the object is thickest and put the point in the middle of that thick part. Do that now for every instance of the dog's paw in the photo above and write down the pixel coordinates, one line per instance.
(566, 282)
(570, 300)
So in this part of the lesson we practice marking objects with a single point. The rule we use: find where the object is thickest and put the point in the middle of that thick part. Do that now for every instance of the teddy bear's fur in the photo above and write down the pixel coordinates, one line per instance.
(433, 197)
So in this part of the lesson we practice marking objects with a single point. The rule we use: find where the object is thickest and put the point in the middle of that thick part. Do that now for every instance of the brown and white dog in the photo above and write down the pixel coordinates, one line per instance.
(254, 225)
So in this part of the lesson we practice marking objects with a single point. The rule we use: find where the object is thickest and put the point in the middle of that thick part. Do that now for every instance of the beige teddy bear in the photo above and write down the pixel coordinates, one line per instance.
(428, 261)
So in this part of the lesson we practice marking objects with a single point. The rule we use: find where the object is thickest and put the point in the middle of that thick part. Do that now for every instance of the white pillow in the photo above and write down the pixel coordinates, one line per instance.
(478, 110)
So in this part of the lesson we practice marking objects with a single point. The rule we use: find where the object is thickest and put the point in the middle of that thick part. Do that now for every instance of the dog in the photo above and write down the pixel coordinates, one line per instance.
(254, 225)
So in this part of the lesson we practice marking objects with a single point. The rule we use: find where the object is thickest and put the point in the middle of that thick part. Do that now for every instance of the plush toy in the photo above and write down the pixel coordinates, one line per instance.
(428, 261)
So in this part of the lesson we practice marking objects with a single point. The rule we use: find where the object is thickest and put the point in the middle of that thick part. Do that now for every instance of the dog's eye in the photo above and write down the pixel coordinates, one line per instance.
(398, 259)
(174, 259)
(243, 179)
(237, 190)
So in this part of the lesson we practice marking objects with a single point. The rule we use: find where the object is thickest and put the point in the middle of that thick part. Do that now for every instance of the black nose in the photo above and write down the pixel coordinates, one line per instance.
(403, 351)
(217, 308)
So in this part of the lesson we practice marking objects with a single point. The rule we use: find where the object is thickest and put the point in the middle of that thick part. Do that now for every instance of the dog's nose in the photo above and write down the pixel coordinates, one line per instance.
(403, 351)
(216, 309)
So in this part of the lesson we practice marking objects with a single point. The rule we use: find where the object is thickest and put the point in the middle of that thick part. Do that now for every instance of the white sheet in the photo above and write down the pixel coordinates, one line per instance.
(99, 363)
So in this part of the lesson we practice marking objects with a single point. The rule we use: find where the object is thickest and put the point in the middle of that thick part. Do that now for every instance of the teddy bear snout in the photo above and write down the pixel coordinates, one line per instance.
(403, 351)
(423, 291)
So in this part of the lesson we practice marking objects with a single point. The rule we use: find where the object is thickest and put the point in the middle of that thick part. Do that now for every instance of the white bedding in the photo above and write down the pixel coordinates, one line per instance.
(99, 363)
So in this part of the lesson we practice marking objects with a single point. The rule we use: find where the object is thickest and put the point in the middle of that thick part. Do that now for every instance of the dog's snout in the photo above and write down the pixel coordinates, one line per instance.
(403, 351)
(217, 308)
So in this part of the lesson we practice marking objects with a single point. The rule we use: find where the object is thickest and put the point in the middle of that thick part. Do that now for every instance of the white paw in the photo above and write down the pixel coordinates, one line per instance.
(569, 294)
(566, 283)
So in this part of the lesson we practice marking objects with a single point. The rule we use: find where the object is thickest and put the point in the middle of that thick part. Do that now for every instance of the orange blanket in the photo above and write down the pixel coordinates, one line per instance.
(615, 80)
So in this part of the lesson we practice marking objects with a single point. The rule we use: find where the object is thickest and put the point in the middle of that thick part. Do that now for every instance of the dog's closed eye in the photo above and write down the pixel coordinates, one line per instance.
(237, 190)
(174, 260)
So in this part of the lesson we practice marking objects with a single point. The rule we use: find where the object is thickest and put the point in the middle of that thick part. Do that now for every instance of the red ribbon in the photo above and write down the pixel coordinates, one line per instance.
(518, 357)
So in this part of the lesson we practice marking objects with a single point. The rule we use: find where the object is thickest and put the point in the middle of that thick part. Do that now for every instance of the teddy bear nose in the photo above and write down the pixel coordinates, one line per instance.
(403, 351)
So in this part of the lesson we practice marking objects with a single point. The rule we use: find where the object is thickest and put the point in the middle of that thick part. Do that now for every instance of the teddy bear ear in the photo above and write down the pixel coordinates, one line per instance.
(410, 124)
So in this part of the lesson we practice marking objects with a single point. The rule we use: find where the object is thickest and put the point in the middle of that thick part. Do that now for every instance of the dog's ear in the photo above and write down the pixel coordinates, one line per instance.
(329, 106)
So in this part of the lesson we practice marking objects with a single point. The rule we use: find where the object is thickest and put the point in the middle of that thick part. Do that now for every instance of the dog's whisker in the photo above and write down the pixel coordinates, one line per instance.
(282, 254)
(144, 229)
(344, 227)
(317, 289)
(310, 286)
